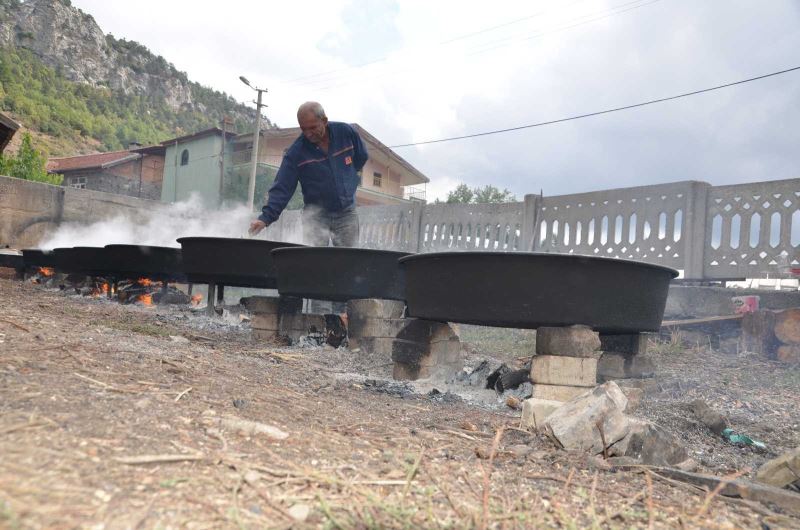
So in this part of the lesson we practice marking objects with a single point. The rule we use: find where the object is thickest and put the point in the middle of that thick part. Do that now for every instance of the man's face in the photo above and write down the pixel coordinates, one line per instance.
(313, 127)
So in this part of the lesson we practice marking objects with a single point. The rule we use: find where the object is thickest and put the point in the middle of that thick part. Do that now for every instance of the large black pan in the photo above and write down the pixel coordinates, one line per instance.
(91, 261)
(12, 260)
(529, 290)
(340, 273)
(34, 257)
(142, 261)
(226, 261)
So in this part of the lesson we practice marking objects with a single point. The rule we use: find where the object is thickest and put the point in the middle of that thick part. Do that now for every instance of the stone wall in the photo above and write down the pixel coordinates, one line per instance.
(29, 211)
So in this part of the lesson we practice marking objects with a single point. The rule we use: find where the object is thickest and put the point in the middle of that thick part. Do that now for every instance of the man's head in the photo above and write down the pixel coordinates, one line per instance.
(313, 121)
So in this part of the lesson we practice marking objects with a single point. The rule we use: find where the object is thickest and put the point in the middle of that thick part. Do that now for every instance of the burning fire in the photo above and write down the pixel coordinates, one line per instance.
(145, 299)
(46, 271)
(144, 282)
(196, 299)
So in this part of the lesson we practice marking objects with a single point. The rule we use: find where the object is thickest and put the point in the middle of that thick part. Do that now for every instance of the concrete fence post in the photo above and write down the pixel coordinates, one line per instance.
(415, 228)
(694, 230)
(530, 218)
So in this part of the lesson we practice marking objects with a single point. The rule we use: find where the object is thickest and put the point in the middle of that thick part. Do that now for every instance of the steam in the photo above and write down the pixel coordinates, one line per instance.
(157, 228)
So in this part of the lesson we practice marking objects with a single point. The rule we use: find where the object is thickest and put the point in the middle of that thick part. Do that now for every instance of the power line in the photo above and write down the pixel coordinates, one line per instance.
(607, 111)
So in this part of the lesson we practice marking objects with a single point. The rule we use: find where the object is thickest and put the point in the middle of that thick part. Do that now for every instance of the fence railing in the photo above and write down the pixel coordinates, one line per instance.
(724, 232)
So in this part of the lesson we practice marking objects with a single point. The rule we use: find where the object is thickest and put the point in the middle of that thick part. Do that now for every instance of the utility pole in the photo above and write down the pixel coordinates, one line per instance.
(251, 191)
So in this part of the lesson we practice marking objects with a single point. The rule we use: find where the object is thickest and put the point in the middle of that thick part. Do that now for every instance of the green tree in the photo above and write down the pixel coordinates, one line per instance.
(488, 194)
(29, 164)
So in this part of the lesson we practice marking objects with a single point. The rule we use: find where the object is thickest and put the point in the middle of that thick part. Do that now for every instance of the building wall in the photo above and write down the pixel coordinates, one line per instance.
(201, 174)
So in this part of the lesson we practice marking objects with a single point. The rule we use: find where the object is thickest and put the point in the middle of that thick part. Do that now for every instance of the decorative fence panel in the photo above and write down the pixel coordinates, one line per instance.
(712, 233)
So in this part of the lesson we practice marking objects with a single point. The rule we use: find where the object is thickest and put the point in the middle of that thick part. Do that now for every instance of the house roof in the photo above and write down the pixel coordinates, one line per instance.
(92, 161)
(373, 142)
(200, 134)
(7, 129)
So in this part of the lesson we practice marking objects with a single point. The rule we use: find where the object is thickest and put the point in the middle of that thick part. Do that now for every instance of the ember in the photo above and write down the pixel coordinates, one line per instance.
(46, 271)
(196, 299)
(144, 282)
(145, 299)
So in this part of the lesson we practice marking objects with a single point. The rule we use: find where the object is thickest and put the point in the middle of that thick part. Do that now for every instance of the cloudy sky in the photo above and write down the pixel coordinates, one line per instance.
(411, 71)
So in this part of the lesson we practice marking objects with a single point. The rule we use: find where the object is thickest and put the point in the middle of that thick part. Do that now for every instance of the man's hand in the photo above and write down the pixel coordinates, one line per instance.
(257, 226)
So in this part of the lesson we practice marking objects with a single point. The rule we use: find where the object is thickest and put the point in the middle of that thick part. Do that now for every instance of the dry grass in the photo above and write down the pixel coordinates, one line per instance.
(78, 401)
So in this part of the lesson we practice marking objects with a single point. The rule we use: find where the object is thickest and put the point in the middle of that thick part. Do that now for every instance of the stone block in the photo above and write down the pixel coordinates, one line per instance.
(304, 323)
(375, 327)
(632, 344)
(557, 392)
(559, 370)
(618, 366)
(265, 321)
(534, 412)
(650, 445)
(265, 334)
(375, 308)
(571, 341)
(781, 471)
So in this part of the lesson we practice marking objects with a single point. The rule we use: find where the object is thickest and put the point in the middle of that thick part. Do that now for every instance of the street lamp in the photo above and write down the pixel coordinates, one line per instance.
(251, 191)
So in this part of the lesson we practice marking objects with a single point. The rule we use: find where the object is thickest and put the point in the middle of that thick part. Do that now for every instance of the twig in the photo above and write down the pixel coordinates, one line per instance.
(102, 384)
(650, 514)
(23, 328)
(716, 491)
(157, 459)
(633, 500)
(183, 394)
(599, 425)
(412, 472)
(21, 426)
(487, 475)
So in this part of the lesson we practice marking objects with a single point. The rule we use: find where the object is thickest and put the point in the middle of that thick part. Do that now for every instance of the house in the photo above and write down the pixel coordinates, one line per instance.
(7, 129)
(136, 172)
(386, 178)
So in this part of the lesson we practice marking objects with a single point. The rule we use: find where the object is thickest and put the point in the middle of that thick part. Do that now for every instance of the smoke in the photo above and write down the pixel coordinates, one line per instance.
(157, 228)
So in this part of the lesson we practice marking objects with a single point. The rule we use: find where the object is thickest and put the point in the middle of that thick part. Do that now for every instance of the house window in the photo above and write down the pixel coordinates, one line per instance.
(185, 157)
(78, 182)
(376, 179)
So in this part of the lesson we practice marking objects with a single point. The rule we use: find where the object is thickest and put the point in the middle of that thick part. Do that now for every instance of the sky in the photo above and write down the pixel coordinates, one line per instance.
(412, 71)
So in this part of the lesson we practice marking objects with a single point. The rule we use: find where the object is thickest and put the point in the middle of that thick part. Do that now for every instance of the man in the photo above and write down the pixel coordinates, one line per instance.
(326, 160)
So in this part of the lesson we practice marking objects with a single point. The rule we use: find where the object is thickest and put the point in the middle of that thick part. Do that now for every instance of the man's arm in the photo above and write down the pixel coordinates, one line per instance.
(360, 155)
(281, 191)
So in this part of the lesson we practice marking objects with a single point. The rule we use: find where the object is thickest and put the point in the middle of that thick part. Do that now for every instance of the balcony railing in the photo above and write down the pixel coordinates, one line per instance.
(414, 193)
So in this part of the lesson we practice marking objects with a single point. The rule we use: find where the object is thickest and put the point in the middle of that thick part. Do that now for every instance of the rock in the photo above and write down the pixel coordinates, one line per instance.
(520, 450)
(708, 416)
(634, 396)
(575, 423)
(572, 341)
(178, 339)
(619, 366)
(300, 512)
(250, 428)
(559, 370)
(781, 471)
(633, 344)
(534, 412)
(650, 444)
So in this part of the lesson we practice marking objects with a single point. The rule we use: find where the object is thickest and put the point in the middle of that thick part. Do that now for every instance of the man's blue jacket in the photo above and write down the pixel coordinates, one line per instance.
(327, 180)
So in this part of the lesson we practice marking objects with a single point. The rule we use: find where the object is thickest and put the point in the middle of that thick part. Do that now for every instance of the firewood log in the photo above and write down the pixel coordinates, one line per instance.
(787, 326)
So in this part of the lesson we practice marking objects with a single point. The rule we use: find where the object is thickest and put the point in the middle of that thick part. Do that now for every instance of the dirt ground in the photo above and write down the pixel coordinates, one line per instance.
(122, 416)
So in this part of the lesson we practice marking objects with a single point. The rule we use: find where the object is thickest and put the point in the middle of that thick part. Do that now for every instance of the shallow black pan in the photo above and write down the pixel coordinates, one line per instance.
(12, 260)
(34, 257)
(529, 290)
(91, 261)
(340, 273)
(227, 261)
(142, 261)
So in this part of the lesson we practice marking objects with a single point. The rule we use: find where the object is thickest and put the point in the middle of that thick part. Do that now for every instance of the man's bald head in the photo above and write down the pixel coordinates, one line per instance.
(313, 108)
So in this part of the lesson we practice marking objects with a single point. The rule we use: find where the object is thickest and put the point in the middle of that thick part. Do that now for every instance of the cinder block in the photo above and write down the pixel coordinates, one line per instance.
(304, 323)
(443, 352)
(557, 392)
(633, 344)
(266, 321)
(266, 305)
(375, 308)
(571, 341)
(617, 366)
(558, 370)
(534, 412)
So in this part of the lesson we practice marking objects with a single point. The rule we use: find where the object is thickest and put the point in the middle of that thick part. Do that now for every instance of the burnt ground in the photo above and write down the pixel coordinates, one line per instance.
(88, 386)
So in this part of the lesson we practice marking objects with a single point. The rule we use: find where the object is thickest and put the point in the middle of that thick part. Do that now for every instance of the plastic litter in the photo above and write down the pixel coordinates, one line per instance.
(741, 439)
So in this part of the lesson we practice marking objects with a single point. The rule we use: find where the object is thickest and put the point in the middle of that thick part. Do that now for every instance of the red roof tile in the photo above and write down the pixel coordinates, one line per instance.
(96, 160)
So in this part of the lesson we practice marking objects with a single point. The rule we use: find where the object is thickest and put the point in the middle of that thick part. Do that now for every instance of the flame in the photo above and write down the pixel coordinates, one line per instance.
(46, 271)
(145, 299)
(144, 282)
(105, 287)
(196, 299)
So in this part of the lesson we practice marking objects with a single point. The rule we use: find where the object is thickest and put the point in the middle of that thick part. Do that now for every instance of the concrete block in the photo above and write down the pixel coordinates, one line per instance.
(559, 370)
(305, 323)
(557, 392)
(265, 321)
(375, 327)
(572, 341)
(633, 344)
(375, 308)
(617, 366)
(534, 412)
(267, 305)
(444, 352)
